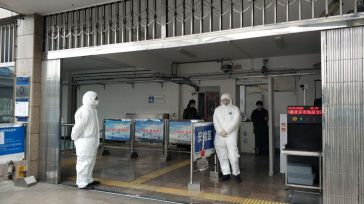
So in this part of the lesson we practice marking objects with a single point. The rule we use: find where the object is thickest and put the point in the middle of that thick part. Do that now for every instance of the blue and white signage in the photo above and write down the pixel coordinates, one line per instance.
(180, 132)
(118, 130)
(204, 134)
(11, 143)
(149, 130)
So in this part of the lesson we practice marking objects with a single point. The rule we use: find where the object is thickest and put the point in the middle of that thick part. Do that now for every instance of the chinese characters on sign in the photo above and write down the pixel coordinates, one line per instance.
(204, 134)
(302, 110)
(149, 130)
(180, 132)
(117, 130)
(11, 143)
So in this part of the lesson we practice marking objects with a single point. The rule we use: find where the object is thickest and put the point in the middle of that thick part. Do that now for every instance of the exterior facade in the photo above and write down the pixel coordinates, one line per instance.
(36, 45)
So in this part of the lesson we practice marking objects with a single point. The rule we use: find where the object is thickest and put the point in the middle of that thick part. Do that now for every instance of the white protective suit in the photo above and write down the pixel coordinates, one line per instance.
(227, 119)
(86, 135)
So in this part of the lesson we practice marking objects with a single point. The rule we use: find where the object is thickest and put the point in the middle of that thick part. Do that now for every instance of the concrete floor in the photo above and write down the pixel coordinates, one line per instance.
(60, 194)
(117, 167)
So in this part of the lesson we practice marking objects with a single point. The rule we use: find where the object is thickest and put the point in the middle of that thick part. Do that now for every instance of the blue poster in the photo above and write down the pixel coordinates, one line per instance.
(117, 130)
(149, 130)
(180, 132)
(204, 134)
(11, 143)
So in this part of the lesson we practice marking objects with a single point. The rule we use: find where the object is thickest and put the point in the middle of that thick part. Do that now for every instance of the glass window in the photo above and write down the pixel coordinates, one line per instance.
(6, 94)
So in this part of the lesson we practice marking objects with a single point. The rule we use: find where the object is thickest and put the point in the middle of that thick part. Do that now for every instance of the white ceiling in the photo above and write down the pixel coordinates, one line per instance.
(159, 60)
(44, 7)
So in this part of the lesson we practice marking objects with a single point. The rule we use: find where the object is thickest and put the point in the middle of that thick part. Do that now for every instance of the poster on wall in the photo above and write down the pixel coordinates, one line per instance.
(11, 143)
(149, 130)
(22, 98)
(180, 132)
(118, 130)
(156, 99)
(204, 134)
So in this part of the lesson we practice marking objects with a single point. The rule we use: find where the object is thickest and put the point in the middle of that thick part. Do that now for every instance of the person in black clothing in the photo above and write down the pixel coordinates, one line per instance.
(260, 123)
(190, 113)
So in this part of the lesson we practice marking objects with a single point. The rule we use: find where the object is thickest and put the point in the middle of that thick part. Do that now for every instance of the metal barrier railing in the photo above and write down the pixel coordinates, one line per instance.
(131, 131)
(137, 20)
(66, 143)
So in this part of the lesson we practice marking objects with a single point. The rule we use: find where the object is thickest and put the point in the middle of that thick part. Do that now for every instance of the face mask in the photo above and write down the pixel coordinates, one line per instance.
(225, 102)
(95, 103)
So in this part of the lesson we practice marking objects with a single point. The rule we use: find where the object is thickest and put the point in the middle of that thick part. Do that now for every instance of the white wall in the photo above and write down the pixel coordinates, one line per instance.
(116, 100)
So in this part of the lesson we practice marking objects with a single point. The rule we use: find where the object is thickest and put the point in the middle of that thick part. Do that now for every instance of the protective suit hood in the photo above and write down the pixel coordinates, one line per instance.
(89, 99)
(226, 96)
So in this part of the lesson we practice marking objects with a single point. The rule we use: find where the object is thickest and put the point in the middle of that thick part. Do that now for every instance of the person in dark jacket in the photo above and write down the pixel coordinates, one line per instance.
(260, 123)
(190, 113)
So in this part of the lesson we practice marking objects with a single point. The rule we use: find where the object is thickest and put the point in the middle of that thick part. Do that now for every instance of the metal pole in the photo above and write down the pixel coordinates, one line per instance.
(263, 13)
(192, 17)
(103, 140)
(165, 136)
(183, 18)
(146, 27)
(155, 20)
(131, 21)
(89, 25)
(192, 146)
(164, 19)
(221, 12)
(58, 22)
(242, 14)
(117, 22)
(231, 15)
(108, 24)
(299, 10)
(275, 11)
(341, 7)
(252, 5)
(96, 27)
(139, 9)
(9, 42)
(13, 43)
(271, 124)
(211, 16)
(83, 27)
(326, 7)
(102, 33)
(174, 18)
(313, 8)
(287, 11)
(201, 18)
(123, 29)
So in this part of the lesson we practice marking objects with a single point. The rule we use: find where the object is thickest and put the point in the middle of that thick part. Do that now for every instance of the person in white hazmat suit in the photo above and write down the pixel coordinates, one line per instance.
(227, 119)
(86, 136)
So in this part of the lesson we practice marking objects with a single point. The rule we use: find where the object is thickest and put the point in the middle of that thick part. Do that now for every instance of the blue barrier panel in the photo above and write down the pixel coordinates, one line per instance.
(180, 132)
(149, 130)
(12, 139)
(204, 134)
(118, 130)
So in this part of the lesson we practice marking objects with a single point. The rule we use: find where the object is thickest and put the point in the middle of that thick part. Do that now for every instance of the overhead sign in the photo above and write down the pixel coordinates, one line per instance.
(149, 130)
(304, 110)
(11, 143)
(117, 130)
(204, 134)
(180, 132)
